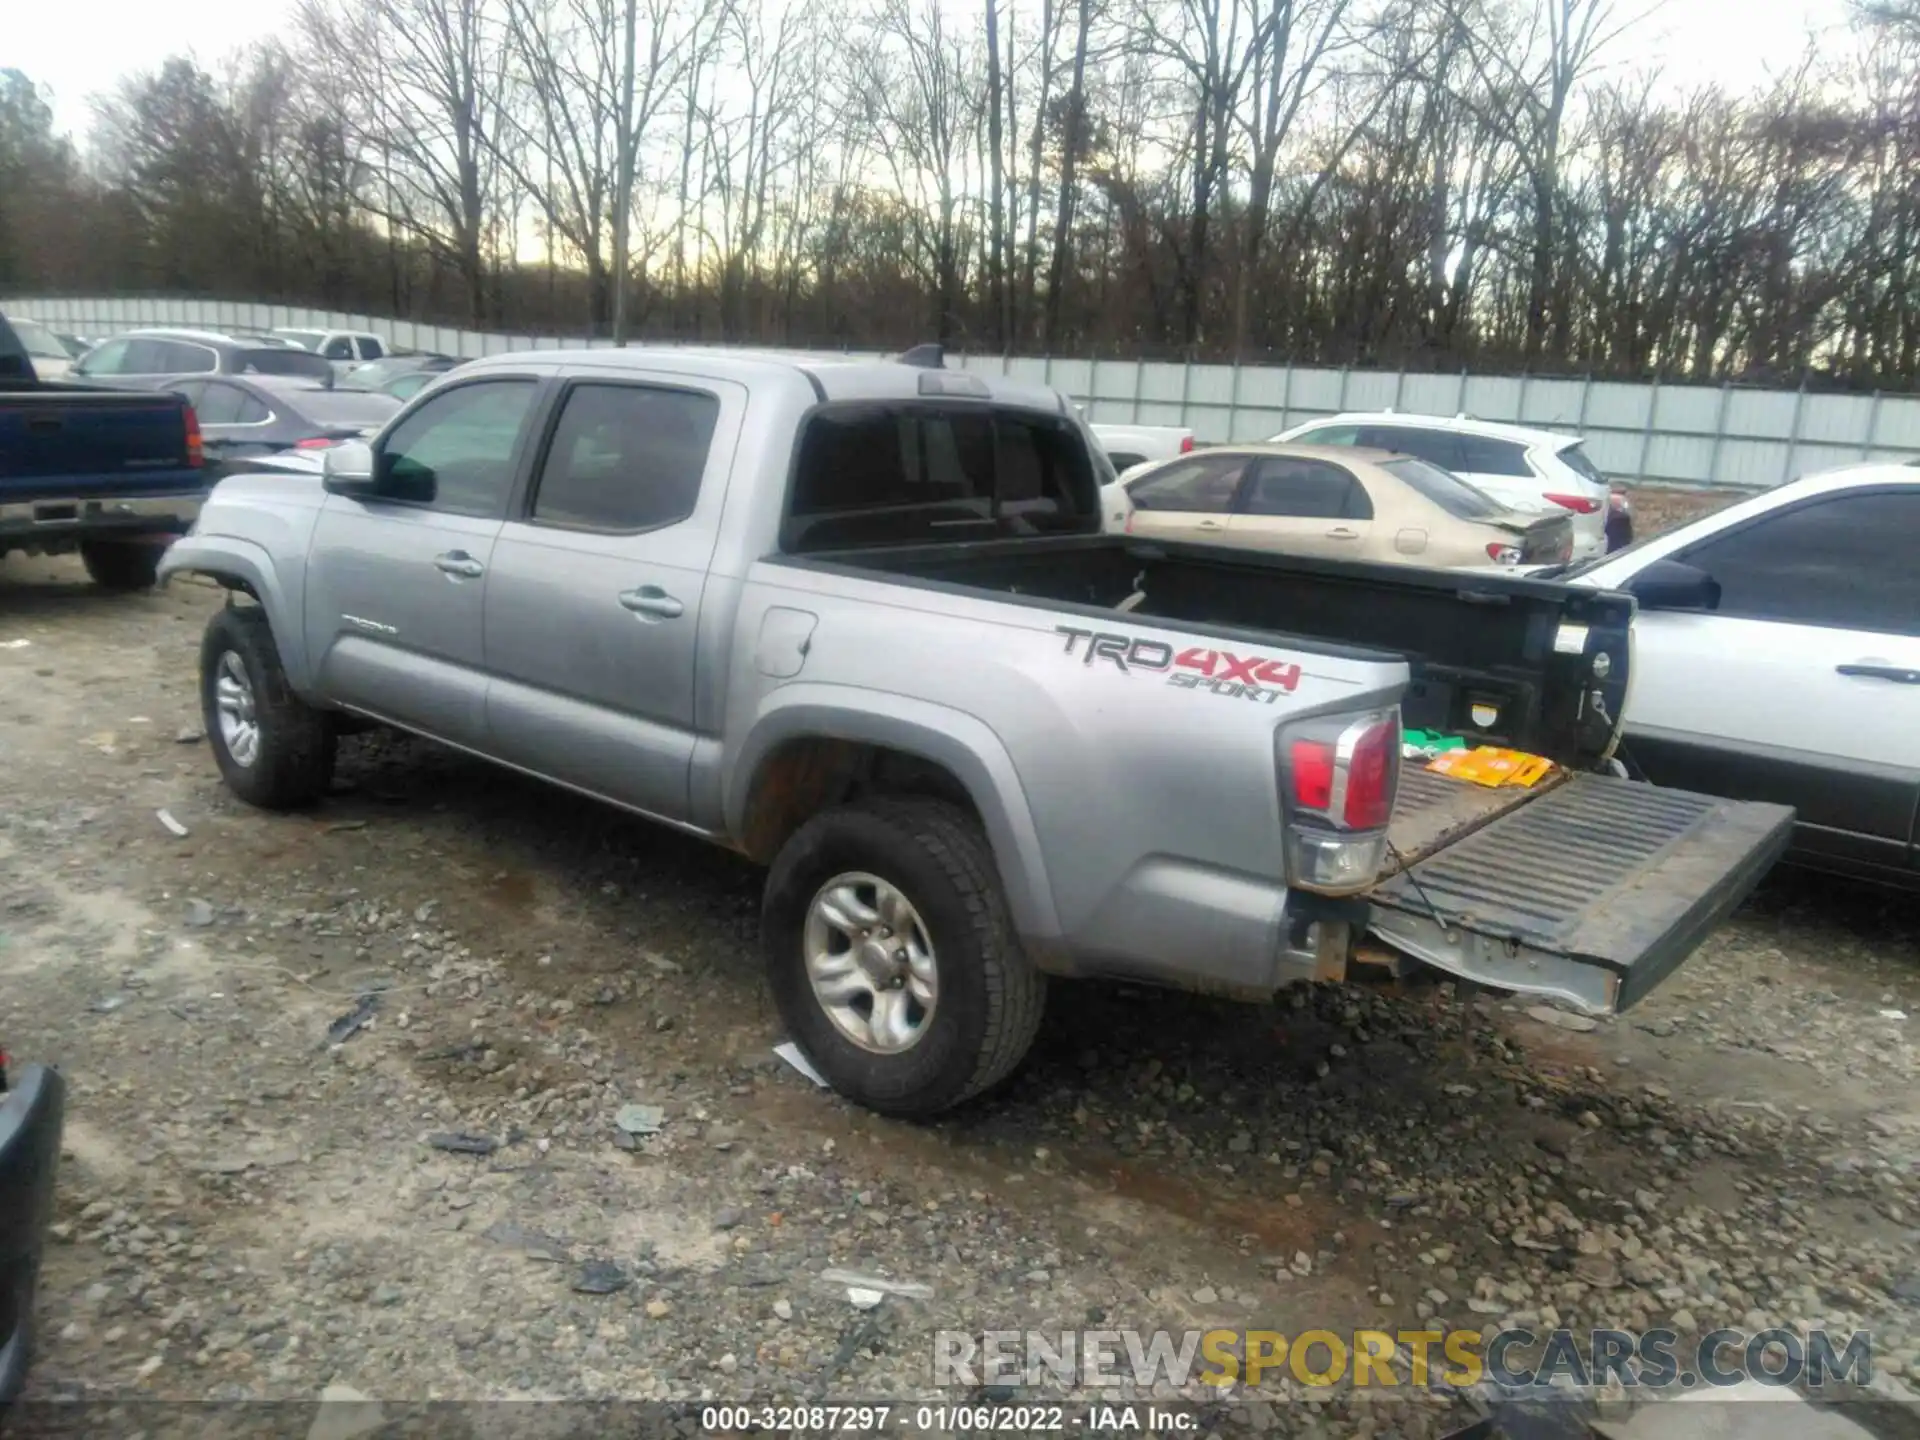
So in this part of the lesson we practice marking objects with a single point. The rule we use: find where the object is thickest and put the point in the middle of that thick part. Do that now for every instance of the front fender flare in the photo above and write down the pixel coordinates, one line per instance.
(231, 558)
(959, 742)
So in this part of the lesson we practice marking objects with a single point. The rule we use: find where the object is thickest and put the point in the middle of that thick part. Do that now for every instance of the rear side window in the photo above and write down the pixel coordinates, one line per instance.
(370, 348)
(179, 356)
(1436, 447)
(1197, 487)
(626, 458)
(1445, 489)
(1330, 435)
(150, 357)
(221, 404)
(284, 360)
(344, 409)
(1483, 455)
(1306, 489)
(905, 474)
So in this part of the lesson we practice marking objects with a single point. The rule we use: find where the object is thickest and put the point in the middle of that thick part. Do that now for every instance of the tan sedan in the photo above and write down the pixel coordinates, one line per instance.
(1330, 501)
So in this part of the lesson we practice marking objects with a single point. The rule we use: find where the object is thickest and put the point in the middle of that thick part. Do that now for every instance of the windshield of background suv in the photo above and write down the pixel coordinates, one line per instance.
(41, 342)
(1445, 489)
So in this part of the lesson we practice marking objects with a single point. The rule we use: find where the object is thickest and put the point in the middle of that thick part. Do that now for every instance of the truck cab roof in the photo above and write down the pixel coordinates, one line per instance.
(833, 379)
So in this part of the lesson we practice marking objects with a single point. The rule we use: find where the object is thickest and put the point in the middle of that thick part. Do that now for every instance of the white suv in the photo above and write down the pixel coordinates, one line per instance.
(1533, 471)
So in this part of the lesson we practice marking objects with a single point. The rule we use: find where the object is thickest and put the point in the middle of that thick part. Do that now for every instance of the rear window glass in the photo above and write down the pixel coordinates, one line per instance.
(1445, 489)
(908, 474)
(344, 407)
(1574, 457)
(287, 361)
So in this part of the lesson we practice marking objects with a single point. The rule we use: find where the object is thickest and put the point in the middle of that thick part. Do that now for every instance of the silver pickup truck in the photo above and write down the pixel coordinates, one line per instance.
(857, 621)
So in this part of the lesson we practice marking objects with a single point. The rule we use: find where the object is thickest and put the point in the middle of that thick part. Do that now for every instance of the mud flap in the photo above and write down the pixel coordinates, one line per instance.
(1592, 892)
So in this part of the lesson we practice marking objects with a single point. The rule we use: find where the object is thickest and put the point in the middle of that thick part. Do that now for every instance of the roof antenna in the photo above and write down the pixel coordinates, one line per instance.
(926, 357)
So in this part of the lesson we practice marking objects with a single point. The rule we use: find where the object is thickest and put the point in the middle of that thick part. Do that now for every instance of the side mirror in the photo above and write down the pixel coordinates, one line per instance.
(349, 469)
(1671, 585)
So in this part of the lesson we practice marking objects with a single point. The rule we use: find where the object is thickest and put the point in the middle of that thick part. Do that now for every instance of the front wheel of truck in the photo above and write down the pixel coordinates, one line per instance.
(121, 564)
(892, 957)
(274, 750)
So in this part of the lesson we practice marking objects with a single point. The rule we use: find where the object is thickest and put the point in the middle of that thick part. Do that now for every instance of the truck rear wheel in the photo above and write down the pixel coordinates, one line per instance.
(274, 750)
(121, 564)
(892, 958)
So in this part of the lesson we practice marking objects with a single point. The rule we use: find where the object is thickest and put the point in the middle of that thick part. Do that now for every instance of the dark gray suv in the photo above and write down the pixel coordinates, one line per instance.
(143, 359)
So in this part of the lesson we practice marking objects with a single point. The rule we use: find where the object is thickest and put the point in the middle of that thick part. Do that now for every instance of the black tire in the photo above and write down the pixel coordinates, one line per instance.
(121, 564)
(990, 995)
(294, 765)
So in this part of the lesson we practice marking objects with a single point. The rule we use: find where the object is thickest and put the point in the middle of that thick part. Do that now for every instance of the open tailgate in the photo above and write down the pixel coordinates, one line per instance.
(1592, 891)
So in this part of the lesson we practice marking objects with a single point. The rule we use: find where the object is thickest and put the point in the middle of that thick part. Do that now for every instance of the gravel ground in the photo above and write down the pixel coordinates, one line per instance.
(249, 1210)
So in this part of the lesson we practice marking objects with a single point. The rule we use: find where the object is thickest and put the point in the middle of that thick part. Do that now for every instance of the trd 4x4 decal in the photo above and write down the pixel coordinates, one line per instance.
(1218, 672)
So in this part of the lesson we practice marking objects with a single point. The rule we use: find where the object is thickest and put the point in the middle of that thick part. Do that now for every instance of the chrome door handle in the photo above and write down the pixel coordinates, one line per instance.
(1341, 532)
(1895, 673)
(652, 600)
(1211, 525)
(458, 562)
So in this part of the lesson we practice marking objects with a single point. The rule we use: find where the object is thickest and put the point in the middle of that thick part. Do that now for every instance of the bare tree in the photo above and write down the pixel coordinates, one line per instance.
(1528, 67)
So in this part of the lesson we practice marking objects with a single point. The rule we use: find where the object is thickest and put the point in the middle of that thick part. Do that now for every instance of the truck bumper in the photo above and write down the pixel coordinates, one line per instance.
(58, 522)
(31, 1116)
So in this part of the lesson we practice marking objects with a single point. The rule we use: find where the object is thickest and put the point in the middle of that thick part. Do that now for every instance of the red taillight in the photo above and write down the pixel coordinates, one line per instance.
(316, 442)
(1312, 770)
(1370, 776)
(1339, 774)
(1186, 444)
(1129, 522)
(1579, 504)
(1502, 553)
(196, 447)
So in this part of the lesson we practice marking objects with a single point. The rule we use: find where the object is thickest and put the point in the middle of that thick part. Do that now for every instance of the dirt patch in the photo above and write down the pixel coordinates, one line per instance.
(250, 1211)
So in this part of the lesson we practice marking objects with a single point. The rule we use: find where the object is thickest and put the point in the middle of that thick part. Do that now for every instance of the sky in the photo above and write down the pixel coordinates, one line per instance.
(80, 48)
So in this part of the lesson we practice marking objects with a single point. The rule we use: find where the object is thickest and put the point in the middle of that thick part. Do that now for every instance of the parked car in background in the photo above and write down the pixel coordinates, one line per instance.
(341, 348)
(32, 1114)
(76, 345)
(1131, 445)
(1776, 656)
(376, 374)
(1533, 471)
(1331, 501)
(404, 387)
(144, 358)
(245, 416)
(112, 472)
(51, 359)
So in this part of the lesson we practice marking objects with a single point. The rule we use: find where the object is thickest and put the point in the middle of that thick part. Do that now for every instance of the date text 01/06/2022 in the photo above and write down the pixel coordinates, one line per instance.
(1098, 1419)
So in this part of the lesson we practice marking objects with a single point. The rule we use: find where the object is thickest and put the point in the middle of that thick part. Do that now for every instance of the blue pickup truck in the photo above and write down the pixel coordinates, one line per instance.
(114, 474)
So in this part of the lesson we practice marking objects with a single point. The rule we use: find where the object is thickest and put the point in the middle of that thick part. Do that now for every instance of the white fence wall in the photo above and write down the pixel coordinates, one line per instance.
(1686, 435)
